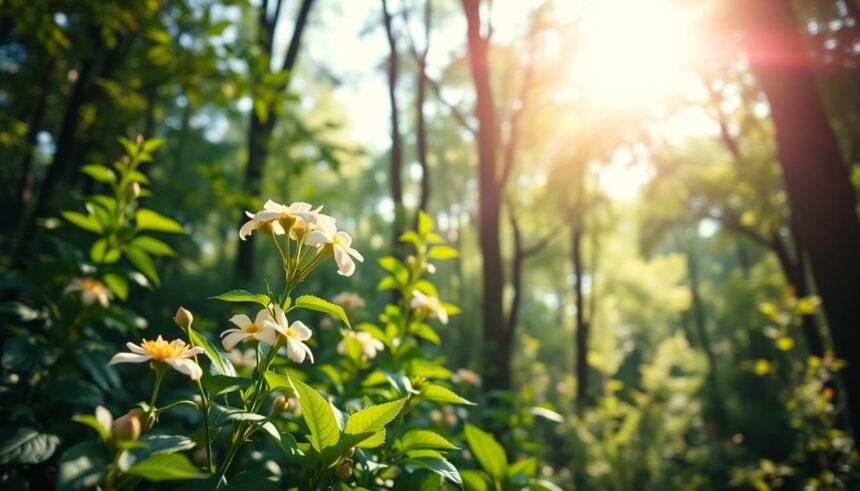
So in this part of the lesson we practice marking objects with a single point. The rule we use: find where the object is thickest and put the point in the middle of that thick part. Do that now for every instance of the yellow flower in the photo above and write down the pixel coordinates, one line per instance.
(296, 334)
(91, 291)
(175, 353)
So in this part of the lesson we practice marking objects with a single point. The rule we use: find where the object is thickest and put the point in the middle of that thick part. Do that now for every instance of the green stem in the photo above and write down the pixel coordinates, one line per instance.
(160, 370)
(204, 408)
(177, 404)
(222, 469)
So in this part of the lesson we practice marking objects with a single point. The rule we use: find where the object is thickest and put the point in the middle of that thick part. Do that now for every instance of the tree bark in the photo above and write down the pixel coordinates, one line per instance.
(395, 163)
(421, 120)
(817, 179)
(260, 130)
(497, 354)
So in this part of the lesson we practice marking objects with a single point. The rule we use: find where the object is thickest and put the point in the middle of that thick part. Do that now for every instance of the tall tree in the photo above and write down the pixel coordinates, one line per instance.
(396, 155)
(269, 90)
(822, 198)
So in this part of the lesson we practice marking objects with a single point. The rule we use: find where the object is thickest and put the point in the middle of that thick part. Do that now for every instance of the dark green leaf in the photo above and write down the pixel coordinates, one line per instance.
(26, 446)
(166, 467)
(83, 466)
(243, 296)
(487, 451)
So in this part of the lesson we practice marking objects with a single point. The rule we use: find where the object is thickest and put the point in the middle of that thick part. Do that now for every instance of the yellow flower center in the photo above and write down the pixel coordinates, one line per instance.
(92, 286)
(291, 333)
(252, 329)
(161, 349)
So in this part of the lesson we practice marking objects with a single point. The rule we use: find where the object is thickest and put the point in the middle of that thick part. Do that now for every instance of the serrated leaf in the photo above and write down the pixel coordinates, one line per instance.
(153, 246)
(166, 467)
(318, 415)
(243, 296)
(417, 439)
(99, 173)
(487, 451)
(146, 219)
(86, 222)
(311, 302)
(373, 441)
(26, 446)
(365, 423)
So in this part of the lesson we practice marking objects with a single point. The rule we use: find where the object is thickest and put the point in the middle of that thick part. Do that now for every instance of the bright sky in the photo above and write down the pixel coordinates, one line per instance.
(631, 60)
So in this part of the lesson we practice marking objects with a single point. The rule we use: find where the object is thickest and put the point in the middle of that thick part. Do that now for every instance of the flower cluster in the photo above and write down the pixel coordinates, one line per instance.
(271, 330)
(306, 226)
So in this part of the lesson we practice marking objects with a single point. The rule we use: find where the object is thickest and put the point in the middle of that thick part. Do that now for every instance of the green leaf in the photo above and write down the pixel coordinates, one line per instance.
(526, 467)
(321, 421)
(86, 222)
(151, 445)
(416, 439)
(166, 467)
(487, 451)
(278, 382)
(102, 422)
(425, 223)
(153, 246)
(26, 446)
(388, 283)
(142, 262)
(437, 393)
(151, 220)
(372, 441)
(311, 302)
(99, 173)
(412, 237)
(425, 331)
(83, 466)
(152, 144)
(100, 253)
(223, 384)
(365, 423)
(441, 467)
(117, 284)
(442, 252)
(543, 485)
(243, 296)
(220, 364)
(476, 480)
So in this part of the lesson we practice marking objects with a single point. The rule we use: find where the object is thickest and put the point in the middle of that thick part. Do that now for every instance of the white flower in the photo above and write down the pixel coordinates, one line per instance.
(296, 334)
(273, 212)
(369, 344)
(176, 353)
(466, 376)
(91, 291)
(432, 304)
(325, 232)
(259, 330)
(348, 300)
(239, 358)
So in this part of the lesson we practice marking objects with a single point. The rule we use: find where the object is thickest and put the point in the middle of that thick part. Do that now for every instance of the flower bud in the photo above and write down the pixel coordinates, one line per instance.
(134, 188)
(280, 405)
(183, 318)
(344, 471)
(348, 453)
(129, 426)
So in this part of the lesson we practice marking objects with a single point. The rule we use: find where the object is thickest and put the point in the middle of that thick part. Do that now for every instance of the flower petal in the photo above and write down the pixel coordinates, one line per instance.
(197, 350)
(128, 358)
(247, 228)
(135, 348)
(316, 238)
(262, 316)
(302, 330)
(345, 265)
(352, 252)
(267, 336)
(294, 351)
(186, 366)
(308, 351)
(231, 340)
(442, 315)
(344, 239)
(241, 320)
(272, 206)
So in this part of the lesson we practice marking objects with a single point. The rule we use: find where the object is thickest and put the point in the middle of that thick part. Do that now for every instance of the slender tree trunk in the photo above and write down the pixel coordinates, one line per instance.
(27, 181)
(817, 179)
(261, 129)
(497, 355)
(421, 123)
(395, 166)
(582, 325)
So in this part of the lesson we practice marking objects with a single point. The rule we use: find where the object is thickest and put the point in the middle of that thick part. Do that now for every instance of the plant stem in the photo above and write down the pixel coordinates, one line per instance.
(204, 408)
(160, 370)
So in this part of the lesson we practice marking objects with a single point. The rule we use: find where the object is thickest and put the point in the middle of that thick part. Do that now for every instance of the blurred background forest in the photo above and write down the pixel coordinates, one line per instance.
(654, 201)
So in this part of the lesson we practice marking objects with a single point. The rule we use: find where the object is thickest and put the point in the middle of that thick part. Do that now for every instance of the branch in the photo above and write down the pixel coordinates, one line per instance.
(420, 59)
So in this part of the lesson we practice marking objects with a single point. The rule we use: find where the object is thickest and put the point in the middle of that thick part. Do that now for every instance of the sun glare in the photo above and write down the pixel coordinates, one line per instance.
(633, 52)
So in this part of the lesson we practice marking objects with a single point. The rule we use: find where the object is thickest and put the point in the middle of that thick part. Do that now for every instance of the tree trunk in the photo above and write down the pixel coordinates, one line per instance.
(421, 123)
(260, 130)
(26, 184)
(395, 166)
(817, 179)
(497, 366)
(582, 325)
